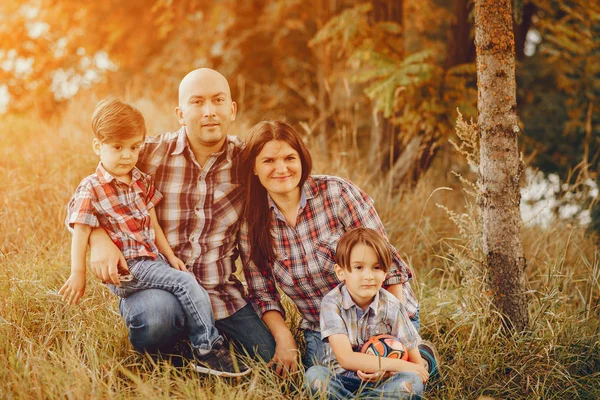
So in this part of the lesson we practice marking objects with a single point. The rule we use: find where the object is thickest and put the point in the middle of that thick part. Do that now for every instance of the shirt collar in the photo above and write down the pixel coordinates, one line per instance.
(309, 191)
(348, 303)
(182, 143)
(278, 213)
(105, 177)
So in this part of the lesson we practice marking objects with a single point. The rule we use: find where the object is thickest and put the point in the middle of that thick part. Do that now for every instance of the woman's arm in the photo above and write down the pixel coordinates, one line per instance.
(396, 290)
(286, 349)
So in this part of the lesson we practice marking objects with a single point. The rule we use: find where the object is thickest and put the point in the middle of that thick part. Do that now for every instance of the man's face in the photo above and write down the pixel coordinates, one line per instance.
(205, 107)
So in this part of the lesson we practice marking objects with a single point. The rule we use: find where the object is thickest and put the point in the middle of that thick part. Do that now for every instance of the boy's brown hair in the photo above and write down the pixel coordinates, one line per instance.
(114, 119)
(368, 237)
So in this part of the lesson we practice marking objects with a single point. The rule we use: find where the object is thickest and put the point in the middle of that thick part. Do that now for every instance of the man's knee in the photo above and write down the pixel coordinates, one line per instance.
(154, 318)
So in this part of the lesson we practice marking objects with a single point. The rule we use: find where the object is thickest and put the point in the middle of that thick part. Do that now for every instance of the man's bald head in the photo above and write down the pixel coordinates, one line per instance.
(201, 77)
(205, 108)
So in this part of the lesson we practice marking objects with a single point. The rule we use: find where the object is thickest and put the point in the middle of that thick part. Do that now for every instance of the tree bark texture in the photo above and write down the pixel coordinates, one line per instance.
(500, 167)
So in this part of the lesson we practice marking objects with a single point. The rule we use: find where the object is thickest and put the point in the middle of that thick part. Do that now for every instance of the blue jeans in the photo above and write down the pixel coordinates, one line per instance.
(315, 348)
(249, 333)
(402, 385)
(193, 298)
(157, 323)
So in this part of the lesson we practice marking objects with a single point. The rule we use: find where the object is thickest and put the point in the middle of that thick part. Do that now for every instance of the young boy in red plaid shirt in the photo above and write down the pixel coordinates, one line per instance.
(121, 199)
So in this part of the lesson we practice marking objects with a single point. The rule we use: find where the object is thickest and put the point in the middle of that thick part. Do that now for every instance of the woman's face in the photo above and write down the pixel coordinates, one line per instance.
(278, 168)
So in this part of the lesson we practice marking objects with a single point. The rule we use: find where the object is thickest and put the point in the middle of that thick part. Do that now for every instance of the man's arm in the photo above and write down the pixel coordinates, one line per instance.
(105, 257)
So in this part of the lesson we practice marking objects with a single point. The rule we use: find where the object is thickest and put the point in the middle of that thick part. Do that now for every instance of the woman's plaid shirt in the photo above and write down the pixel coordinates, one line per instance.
(304, 268)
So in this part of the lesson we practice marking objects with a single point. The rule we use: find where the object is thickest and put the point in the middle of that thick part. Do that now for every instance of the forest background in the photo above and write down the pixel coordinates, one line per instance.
(383, 92)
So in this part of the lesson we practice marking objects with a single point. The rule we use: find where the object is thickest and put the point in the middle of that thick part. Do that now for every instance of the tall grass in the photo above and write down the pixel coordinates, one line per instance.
(49, 350)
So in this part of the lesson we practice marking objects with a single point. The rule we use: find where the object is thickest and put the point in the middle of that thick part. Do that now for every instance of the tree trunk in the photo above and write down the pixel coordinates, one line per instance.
(381, 128)
(500, 167)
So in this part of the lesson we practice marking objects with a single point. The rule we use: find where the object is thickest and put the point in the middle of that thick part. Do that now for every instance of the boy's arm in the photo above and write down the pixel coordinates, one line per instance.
(74, 287)
(163, 244)
(355, 361)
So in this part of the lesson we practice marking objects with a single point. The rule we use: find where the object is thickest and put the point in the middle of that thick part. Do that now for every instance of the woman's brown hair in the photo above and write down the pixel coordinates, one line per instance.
(256, 210)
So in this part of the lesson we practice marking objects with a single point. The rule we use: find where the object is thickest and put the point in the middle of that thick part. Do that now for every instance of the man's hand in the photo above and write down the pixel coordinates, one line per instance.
(177, 263)
(105, 258)
(286, 356)
(73, 288)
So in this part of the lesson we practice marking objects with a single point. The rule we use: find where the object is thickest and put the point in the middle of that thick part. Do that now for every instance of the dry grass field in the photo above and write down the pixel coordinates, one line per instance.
(49, 350)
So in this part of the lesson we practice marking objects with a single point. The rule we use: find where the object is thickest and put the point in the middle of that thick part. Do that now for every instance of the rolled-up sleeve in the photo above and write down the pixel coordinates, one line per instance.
(262, 292)
(357, 210)
(81, 207)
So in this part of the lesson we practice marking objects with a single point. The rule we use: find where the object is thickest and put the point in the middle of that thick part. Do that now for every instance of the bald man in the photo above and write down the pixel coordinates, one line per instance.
(196, 169)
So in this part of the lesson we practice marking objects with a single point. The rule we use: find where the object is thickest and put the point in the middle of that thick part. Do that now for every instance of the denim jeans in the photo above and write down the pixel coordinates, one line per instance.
(249, 333)
(402, 385)
(314, 348)
(156, 323)
(193, 298)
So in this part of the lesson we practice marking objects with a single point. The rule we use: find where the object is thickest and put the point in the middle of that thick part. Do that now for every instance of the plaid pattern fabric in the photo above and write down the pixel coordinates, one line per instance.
(200, 212)
(121, 209)
(304, 268)
(385, 315)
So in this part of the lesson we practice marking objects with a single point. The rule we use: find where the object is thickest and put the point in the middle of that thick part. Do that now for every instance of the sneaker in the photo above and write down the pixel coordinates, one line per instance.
(430, 356)
(219, 362)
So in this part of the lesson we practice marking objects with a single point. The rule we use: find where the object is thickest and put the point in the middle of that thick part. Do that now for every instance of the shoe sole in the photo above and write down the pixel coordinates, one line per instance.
(224, 374)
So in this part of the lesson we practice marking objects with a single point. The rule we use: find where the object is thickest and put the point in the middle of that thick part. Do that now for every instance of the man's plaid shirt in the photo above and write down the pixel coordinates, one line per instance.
(200, 212)
(304, 268)
(121, 209)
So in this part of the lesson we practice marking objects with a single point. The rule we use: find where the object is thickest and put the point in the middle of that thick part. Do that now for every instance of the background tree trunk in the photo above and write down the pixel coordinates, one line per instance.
(500, 167)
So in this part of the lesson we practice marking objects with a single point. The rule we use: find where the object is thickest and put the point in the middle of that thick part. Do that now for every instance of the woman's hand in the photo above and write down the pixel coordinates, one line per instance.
(286, 355)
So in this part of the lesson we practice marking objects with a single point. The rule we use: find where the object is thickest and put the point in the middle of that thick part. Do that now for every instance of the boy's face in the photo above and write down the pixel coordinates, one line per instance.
(119, 156)
(365, 277)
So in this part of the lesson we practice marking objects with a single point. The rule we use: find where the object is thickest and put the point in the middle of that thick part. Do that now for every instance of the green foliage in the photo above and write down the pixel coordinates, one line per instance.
(392, 77)
(344, 28)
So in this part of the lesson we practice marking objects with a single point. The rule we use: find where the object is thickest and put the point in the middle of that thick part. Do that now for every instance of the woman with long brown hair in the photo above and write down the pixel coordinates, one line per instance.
(291, 226)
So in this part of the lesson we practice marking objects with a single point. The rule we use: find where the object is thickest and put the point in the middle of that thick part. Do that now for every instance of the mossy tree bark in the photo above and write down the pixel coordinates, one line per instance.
(500, 167)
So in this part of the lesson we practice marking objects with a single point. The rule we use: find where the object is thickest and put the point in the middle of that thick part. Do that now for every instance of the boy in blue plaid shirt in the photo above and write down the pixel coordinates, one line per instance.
(356, 310)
